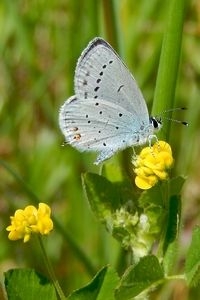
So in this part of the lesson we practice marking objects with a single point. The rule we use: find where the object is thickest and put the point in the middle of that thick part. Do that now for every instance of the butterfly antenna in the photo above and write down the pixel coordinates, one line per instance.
(177, 121)
(173, 109)
(174, 120)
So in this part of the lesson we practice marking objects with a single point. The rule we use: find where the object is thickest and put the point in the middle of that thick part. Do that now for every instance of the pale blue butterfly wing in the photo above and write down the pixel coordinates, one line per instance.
(107, 112)
(100, 73)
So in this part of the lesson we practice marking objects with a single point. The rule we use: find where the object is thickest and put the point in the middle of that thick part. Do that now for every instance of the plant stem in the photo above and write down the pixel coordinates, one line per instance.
(169, 62)
(110, 20)
(51, 271)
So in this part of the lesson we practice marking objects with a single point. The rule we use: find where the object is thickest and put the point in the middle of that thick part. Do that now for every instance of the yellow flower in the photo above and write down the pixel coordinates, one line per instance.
(30, 220)
(152, 164)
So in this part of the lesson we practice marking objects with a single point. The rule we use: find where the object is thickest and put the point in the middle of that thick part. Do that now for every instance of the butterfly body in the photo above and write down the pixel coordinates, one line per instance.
(108, 112)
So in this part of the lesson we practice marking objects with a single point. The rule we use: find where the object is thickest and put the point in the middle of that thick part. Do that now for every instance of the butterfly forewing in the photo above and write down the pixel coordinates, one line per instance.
(100, 73)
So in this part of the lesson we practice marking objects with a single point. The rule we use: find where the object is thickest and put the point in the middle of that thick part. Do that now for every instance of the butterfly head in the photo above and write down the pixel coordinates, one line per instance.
(156, 122)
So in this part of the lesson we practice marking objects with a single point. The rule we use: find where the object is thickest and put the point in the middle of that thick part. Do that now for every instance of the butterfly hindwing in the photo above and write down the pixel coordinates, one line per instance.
(97, 125)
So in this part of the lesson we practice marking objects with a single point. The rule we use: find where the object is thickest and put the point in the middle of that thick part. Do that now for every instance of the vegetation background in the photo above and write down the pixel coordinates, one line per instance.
(39, 46)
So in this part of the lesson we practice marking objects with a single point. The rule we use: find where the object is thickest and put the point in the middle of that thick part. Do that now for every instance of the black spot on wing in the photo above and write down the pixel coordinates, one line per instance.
(96, 88)
(120, 87)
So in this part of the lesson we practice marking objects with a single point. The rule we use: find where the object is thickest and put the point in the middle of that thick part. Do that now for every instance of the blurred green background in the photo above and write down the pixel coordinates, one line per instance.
(40, 44)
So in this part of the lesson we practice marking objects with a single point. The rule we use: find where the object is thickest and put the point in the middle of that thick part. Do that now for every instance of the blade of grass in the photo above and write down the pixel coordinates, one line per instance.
(169, 62)
(111, 24)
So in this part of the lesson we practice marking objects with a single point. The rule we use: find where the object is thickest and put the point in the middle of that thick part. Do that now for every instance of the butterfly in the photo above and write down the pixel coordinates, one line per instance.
(108, 112)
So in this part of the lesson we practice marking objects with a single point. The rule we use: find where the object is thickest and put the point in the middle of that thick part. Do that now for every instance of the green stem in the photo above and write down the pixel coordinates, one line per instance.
(177, 277)
(168, 278)
(51, 271)
(110, 20)
(169, 62)
(167, 77)
(157, 283)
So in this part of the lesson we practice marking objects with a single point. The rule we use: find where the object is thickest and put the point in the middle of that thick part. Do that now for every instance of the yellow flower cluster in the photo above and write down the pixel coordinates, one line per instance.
(151, 165)
(30, 220)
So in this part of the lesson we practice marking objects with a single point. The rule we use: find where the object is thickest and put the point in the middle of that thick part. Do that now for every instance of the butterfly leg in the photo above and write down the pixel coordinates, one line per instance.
(150, 138)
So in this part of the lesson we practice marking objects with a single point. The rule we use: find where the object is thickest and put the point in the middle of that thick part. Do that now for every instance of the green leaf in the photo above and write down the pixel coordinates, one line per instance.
(100, 288)
(102, 195)
(173, 221)
(173, 216)
(142, 277)
(151, 197)
(117, 174)
(175, 185)
(113, 205)
(192, 264)
(170, 257)
(156, 195)
(23, 284)
(162, 205)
